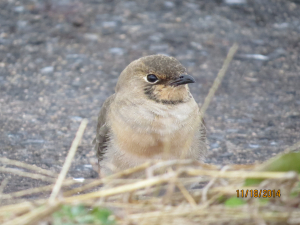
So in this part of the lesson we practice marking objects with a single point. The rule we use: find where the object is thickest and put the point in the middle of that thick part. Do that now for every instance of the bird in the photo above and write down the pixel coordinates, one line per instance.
(151, 116)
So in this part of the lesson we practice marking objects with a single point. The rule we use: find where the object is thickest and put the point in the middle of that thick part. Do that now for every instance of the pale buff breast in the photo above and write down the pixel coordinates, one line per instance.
(150, 130)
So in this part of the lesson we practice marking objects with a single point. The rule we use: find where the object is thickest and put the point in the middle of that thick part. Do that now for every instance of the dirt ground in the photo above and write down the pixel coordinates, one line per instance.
(59, 60)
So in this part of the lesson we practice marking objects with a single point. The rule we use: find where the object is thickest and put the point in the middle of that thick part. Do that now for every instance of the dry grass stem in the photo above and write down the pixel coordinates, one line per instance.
(219, 78)
(121, 189)
(34, 215)
(209, 185)
(26, 174)
(28, 167)
(244, 174)
(213, 89)
(294, 147)
(3, 185)
(68, 161)
(186, 194)
(34, 190)
(108, 178)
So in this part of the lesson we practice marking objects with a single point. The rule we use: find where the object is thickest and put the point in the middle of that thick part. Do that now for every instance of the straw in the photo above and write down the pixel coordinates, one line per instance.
(68, 161)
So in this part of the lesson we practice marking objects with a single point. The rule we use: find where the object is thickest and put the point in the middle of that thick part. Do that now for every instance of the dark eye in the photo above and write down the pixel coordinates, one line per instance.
(152, 78)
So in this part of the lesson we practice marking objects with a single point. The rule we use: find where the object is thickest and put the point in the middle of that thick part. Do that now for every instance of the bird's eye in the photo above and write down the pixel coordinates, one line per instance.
(152, 78)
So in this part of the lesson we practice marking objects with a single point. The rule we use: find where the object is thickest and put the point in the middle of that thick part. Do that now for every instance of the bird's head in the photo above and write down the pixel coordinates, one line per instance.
(157, 77)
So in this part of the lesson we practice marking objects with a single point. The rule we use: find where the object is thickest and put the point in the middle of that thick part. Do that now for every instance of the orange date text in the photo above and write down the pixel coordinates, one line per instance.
(241, 193)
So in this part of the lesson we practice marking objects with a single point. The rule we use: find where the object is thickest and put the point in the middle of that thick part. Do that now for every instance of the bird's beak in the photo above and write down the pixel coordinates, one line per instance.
(183, 79)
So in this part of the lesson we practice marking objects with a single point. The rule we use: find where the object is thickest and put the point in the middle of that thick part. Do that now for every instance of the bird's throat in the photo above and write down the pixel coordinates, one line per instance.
(167, 95)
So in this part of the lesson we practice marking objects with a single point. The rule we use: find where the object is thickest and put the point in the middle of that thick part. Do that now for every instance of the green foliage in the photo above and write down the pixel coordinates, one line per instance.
(221, 199)
(296, 192)
(73, 215)
(234, 202)
(281, 163)
(102, 215)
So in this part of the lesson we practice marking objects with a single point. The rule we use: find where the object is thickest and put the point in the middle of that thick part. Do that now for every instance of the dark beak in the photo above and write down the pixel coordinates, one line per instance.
(183, 79)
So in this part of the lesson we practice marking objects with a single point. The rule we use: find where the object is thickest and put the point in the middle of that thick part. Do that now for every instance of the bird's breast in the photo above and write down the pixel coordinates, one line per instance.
(148, 129)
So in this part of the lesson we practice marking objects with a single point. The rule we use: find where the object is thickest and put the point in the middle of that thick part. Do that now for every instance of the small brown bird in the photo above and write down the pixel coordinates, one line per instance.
(152, 115)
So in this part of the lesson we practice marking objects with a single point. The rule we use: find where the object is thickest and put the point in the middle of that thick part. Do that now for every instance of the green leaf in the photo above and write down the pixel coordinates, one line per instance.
(79, 214)
(281, 163)
(85, 219)
(234, 202)
(77, 210)
(102, 215)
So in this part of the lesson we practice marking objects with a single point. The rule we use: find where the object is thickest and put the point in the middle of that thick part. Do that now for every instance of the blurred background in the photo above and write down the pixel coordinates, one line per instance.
(59, 61)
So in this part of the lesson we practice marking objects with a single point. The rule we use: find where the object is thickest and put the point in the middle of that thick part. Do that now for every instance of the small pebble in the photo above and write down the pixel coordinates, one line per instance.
(254, 56)
(79, 179)
(196, 45)
(169, 4)
(235, 2)
(91, 37)
(19, 9)
(215, 145)
(162, 47)
(281, 25)
(109, 24)
(77, 21)
(156, 37)
(76, 118)
(48, 69)
(117, 51)
(88, 166)
(273, 143)
(75, 56)
(253, 146)
(33, 141)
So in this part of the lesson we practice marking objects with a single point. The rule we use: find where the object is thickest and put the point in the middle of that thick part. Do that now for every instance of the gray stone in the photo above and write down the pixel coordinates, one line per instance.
(169, 4)
(117, 51)
(109, 24)
(162, 47)
(235, 2)
(91, 37)
(19, 9)
(48, 69)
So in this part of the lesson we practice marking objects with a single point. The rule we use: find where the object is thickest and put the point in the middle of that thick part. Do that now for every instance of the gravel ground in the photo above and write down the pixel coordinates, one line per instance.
(59, 60)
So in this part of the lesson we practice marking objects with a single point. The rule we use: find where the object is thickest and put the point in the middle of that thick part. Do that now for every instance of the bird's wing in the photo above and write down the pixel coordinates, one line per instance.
(203, 138)
(203, 129)
(101, 138)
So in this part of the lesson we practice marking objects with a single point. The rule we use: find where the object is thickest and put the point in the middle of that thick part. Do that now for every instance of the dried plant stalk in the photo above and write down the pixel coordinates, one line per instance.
(28, 167)
(219, 78)
(68, 161)
(26, 174)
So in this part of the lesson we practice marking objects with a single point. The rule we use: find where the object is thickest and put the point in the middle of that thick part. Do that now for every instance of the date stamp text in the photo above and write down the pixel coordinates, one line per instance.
(241, 193)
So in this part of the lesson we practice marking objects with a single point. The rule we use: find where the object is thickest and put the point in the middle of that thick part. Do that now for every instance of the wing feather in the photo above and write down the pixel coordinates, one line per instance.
(103, 130)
